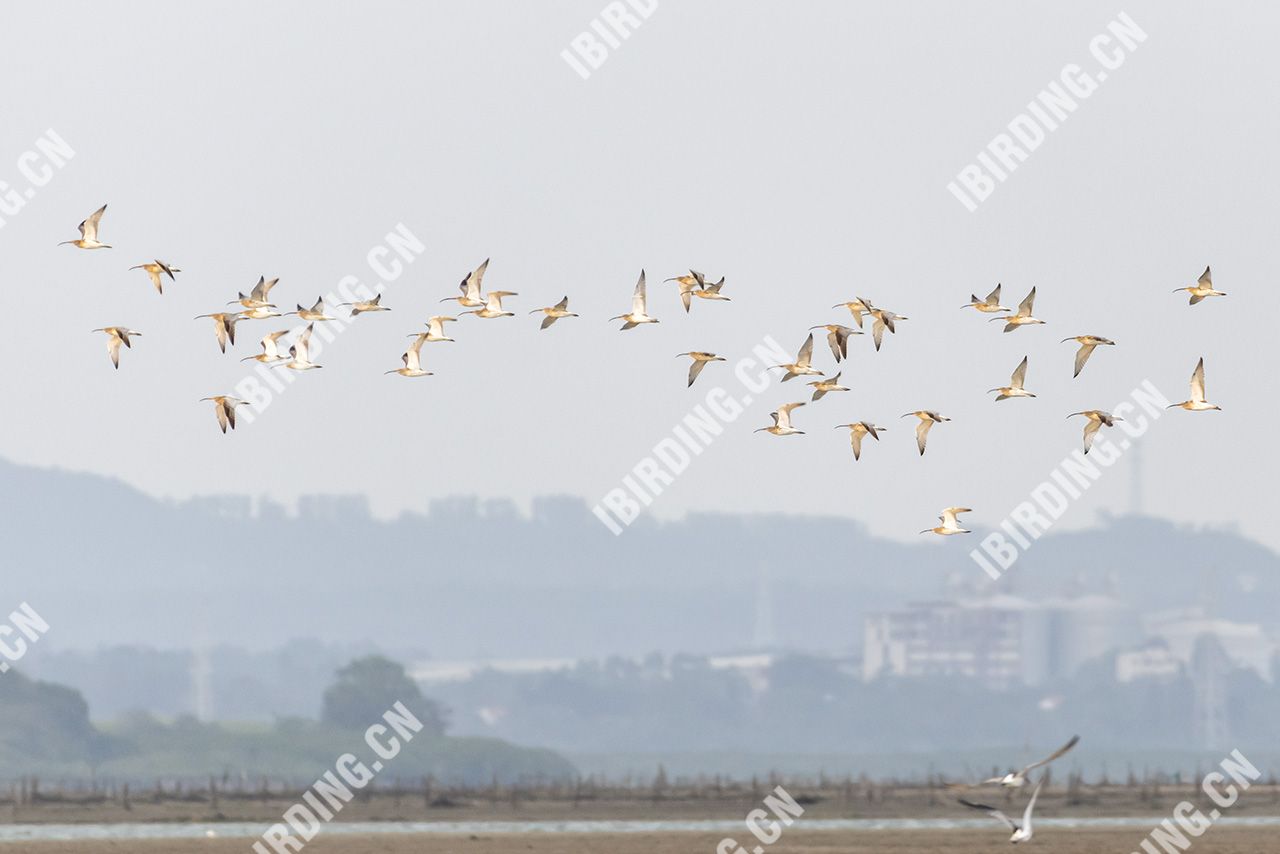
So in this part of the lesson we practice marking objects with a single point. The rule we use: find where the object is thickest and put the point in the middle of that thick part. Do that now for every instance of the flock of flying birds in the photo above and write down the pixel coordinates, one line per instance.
(256, 305)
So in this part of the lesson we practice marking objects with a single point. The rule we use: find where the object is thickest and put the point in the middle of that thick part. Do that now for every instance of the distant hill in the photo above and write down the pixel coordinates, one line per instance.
(106, 564)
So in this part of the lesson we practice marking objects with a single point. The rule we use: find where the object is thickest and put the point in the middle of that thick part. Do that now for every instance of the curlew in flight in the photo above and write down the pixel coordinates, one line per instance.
(950, 524)
(838, 339)
(927, 419)
(117, 335)
(314, 314)
(1201, 289)
(554, 312)
(470, 288)
(435, 328)
(1097, 419)
(700, 360)
(155, 269)
(1016, 381)
(412, 358)
(224, 327)
(1088, 343)
(1021, 317)
(638, 314)
(801, 367)
(362, 306)
(300, 352)
(990, 305)
(822, 386)
(1197, 403)
(225, 408)
(857, 430)
(270, 349)
(89, 232)
(782, 421)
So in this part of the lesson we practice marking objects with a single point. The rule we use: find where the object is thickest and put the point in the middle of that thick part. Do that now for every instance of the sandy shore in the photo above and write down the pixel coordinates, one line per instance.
(1218, 840)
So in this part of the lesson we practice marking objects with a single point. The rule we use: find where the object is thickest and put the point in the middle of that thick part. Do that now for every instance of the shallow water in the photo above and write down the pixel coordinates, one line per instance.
(72, 832)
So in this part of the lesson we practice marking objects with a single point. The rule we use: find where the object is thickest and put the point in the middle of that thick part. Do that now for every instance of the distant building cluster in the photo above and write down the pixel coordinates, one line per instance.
(1006, 641)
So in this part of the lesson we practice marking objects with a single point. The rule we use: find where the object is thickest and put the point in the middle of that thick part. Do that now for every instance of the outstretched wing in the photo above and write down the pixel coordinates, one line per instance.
(1197, 382)
(1020, 374)
(638, 298)
(991, 811)
(1025, 307)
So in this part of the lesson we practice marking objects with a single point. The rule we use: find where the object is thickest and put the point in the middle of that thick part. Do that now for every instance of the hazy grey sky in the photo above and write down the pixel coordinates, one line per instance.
(800, 150)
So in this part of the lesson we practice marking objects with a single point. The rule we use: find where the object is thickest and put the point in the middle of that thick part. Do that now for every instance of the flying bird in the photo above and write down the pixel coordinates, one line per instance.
(1021, 317)
(822, 386)
(1197, 403)
(89, 232)
(117, 335)
(300, 352)
(1017, 778)
(1088, 343)
(412, 359)
(837, 339)
(361, 306)
(270, 349)
(1014, 388)
(1097, 419)
(700, 360)
(314, 314)
(857, 308)
(493, 305)
(1201, 289)
(470, 288)
(857, 430)
(259, 297)
(225, 408)
(927, 419)
(554, 312)
(224, 327)
(638, 314)
(950, 523)
(801, 367)
(711, 292)
(990, 305)
(435, 328)
(260, 312)
(155, 269)
(687, 284)
(1021, 832)
(884, 319)
(782, 421)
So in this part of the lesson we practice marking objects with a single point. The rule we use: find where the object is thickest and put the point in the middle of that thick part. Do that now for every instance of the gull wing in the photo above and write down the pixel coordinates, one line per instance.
(1197, 382)
(1020, 374)
(991, 811)
(1031, 805)
(1061, 750)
